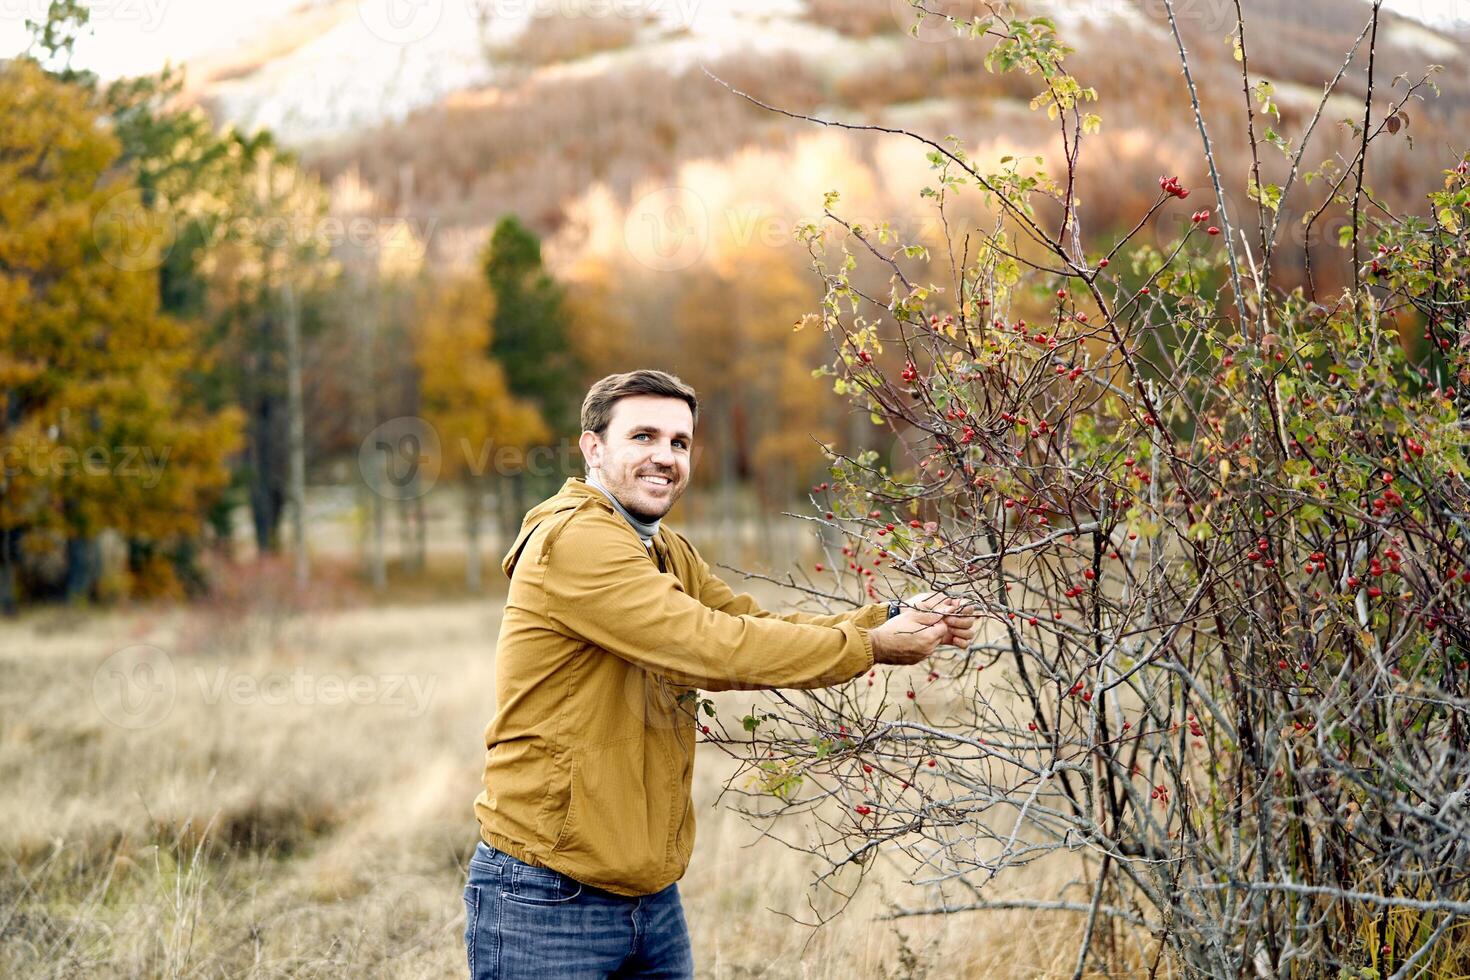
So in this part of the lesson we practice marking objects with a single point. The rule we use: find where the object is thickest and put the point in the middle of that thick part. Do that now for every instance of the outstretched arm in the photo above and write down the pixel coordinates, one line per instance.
(713, 592)
(624, 605)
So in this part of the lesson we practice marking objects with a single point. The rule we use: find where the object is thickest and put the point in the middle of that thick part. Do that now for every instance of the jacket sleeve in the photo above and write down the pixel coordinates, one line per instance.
(602, 588)
(713, 592)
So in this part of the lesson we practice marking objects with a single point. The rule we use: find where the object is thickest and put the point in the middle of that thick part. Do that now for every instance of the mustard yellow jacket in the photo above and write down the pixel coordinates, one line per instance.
(590, 756)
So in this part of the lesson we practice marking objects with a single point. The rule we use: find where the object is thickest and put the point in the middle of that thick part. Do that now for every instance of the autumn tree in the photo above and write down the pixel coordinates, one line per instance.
(465, 398)
(199, 200)
(96, 432)
(528, 338)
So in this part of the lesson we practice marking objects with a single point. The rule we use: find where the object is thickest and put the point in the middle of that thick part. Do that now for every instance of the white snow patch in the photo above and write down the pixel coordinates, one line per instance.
(382, 59)
(1432, 43)
(1077, 19)
(368, 69)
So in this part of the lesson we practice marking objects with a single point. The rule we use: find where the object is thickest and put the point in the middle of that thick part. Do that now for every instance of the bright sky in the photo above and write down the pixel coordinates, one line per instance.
(138, 36)
(135, 36)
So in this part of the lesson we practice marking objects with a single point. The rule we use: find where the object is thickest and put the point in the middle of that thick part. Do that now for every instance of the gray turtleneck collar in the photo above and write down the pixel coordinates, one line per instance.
(645, 530)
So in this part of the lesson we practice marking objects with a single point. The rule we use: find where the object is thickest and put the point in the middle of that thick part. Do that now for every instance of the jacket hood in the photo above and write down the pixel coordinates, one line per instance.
(574, 493)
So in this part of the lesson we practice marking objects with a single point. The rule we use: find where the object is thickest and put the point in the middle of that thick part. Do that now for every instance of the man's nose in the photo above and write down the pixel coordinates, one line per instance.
(663, 454)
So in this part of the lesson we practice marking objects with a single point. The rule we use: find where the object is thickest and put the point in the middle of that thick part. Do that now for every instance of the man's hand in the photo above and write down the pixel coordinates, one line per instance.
(927, 621)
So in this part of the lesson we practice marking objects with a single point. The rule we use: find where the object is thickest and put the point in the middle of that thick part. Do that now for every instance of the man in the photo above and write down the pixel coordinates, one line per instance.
(612, 624)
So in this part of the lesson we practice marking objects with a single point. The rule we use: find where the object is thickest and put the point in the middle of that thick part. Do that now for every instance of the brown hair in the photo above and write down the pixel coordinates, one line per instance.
(601, 397)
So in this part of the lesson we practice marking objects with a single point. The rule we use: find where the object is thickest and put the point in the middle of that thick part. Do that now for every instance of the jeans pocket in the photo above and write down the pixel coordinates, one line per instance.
(531, 885)
(471, 924)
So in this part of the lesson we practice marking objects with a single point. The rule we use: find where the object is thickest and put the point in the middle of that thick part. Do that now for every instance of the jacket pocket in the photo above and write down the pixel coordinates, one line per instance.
(618, 813)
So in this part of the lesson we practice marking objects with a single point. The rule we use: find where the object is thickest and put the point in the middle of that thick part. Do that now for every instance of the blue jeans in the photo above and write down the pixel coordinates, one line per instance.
(528, 923)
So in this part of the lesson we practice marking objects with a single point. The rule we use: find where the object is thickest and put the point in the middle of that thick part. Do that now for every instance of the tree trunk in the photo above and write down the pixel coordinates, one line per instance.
(473, 493)
(420, 532)
(367, 420)
(265, 492)
(517, 500)
(405, 533)
(296, 438)
(9, 560)
(377, 560)
(83, 559)
(729, 526)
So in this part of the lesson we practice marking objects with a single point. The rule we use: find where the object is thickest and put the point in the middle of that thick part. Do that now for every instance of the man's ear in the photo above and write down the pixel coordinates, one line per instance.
(591, 447)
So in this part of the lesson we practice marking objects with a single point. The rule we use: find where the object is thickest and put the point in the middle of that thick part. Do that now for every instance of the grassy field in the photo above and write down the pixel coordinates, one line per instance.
(263, 786)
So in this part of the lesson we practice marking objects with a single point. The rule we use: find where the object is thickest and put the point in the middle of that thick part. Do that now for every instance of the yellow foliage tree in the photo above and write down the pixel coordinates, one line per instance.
(754, 370)
(95, 428)
(464, 396)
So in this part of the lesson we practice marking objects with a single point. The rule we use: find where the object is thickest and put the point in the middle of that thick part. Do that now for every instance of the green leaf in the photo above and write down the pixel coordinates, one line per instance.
(1270, 195)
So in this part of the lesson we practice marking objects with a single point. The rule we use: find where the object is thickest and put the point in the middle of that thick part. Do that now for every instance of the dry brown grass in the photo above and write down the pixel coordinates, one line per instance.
(552, 38)
(235, 838)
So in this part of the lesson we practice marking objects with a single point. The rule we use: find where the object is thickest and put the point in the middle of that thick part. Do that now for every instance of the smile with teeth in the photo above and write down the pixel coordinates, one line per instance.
(655, 480)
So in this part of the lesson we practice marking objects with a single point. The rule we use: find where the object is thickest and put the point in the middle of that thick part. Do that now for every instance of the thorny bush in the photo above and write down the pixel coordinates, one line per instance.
(1215, 526)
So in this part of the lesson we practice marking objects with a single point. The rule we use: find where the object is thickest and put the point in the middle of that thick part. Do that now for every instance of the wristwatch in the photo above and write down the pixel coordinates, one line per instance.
(894, 608)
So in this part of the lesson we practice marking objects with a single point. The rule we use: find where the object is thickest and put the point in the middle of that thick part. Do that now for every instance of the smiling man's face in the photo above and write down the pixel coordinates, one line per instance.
(643, 458)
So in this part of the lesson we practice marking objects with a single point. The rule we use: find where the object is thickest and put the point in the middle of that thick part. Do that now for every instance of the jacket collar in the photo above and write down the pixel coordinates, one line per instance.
(579, 486)
(574, 493)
